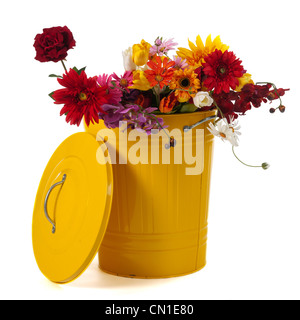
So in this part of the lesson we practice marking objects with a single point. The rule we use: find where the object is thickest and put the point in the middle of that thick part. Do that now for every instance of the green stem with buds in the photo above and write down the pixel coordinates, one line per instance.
(265, 165)
(275, 89)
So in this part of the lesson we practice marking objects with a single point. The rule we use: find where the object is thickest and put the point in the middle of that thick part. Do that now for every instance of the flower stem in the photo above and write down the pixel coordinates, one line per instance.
(157, 96)
(275, 89)
(161, 127)
(156, 120)
(222, 114)
(248, 165)
(64, 65)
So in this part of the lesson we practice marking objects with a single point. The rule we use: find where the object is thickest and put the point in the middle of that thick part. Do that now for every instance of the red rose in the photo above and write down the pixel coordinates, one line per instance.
(53, 44)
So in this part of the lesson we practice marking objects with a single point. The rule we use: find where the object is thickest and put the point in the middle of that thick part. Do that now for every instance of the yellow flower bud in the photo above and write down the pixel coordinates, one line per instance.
(245, 79)
(140, 53)
(140, 81)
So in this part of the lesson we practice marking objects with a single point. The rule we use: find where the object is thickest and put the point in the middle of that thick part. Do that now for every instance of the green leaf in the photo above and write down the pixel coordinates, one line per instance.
(188, 108)
(51, 95)
(54, 76)
(82, 69)
(176, 109)
(79, 71)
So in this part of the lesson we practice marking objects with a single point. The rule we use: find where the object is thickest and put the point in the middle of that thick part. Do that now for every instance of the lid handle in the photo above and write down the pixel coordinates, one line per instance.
(46, 202)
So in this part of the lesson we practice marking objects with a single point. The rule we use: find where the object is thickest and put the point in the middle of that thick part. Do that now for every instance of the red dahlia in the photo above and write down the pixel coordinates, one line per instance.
(222, 71)
(82, 97)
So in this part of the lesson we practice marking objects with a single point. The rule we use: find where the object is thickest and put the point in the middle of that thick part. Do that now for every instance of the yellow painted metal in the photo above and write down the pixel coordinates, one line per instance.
(80, 209)
(158, 222)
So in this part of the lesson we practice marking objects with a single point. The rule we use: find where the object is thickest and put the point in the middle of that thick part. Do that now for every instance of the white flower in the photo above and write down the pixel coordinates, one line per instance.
(203, 99)
(234, 128)
(219, 130)
(129, 65)
(226, 131)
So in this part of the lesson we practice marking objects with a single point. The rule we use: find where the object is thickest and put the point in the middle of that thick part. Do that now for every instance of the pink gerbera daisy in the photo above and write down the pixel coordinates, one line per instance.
(124, 81)
(114, 92)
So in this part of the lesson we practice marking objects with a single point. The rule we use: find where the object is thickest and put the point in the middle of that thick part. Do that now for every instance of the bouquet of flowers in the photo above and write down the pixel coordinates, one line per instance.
(203, 77)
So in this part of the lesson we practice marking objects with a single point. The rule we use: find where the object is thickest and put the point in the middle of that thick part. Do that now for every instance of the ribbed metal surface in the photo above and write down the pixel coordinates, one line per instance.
(158, 223)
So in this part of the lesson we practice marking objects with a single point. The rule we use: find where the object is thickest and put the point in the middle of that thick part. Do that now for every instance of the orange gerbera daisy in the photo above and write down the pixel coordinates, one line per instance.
(195, 56)
(185, 83)
(161, 71)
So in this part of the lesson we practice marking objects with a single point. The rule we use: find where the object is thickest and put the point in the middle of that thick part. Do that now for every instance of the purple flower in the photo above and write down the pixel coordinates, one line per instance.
(131, 96)
(112, 117)
(135, 116)
(154, 124)
(143, 119)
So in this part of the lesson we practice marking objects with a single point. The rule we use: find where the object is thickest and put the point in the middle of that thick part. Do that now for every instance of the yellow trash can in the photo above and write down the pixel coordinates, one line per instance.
(158, 221)
(145, 210)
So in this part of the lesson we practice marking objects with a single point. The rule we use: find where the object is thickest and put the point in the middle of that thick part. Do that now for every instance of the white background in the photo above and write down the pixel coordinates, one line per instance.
(254, 238)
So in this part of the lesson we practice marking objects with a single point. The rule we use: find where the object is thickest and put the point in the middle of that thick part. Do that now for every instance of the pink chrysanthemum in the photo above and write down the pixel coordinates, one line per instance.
(115, 93)
(180, 63)
(124, 81)
(162, 47)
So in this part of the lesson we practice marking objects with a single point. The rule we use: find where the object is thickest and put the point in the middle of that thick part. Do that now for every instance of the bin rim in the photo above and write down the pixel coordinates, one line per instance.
(188, 114)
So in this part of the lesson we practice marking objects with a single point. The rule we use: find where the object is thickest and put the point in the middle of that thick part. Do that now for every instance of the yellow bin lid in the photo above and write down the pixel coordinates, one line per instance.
(72, 208)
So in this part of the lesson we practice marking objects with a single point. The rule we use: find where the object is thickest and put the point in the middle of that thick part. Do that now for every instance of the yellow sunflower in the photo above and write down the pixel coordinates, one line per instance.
(195, 56)
(185, 83)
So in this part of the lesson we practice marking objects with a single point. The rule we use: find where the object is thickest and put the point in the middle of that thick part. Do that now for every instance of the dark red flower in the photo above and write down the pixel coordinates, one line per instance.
(222, 71)
(198, 71)
(233, 104)
(273, 95)
(144, 99)
(255, 94)
(82, 97)
(53, 44)
(242, 105)
(225, 102)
